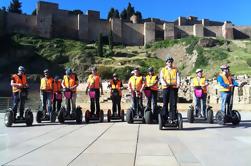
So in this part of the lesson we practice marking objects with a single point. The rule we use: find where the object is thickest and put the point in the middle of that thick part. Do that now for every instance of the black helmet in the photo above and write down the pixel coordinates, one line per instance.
(169, 58)
(150, 69)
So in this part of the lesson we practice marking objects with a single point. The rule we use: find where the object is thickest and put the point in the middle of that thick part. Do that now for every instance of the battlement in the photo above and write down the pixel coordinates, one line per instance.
(50, 21)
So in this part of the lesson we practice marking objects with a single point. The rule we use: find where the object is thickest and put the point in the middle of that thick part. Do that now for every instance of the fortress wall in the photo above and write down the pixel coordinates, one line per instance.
(116, 27)
(133, 34)
(169, 31)
(183, 31)
(83, 27)
(95, 27)
(215, 23)
(2, 23)
(213, 31)
(46, 8)
(20, 23)
(242, 32)
(65, 26)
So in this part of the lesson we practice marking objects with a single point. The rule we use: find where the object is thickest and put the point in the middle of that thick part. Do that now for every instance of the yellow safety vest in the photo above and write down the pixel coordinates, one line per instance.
(200, 82)
(151, 82)
(170, 76)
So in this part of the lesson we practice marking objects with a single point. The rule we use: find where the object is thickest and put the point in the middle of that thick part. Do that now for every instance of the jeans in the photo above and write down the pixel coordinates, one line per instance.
(137, 102)
(70, 104)
(225, 101)
(45, 97)
(152, 101)
(18, 98)
(198, 102)
(170, 95)
(116, 104)
(56, 104)
(95, 101)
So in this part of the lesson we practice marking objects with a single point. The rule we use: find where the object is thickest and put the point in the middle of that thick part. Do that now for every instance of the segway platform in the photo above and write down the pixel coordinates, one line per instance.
(165, 122)
(192, 118)
(44, 116)
(75, 115)
(89, 117)
(9, 118)
(132, 117)
(115, 117)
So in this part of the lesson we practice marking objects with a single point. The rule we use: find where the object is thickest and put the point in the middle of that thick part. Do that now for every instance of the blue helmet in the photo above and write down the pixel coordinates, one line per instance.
(68, 71)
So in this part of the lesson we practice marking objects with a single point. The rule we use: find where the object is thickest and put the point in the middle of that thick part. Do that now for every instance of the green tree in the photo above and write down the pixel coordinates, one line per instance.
(130, 10)
(123, 14)
(116, 14)
(139, 15)
(113, 13)
(76, 12)
(15, 7)
(111, 40)
(34, 12)
(100, 45)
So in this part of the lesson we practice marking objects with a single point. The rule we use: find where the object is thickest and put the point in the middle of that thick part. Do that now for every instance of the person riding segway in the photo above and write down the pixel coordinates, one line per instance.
(151, 93)
(116, 93)
(70, 111)
(170, 81)
(226, 86)
(57, 95)
(136, 86)
(19, 90)
(94, 85)
(45, 112)
(200, 110)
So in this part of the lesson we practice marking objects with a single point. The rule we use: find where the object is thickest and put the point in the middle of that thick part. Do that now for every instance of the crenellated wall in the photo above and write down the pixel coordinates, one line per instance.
(50, 21)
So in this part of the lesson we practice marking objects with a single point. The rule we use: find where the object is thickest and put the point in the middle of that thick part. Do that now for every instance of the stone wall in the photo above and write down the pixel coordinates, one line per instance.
(133, 34)
(242, 32)
(2, 23)
(213, 31)
(184, 31)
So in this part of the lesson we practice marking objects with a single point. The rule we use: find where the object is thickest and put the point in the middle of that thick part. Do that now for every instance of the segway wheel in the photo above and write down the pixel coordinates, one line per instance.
(79, 115)
(101, 116)
(122, 115)
(236, 117)
(61, 115)
(148, 116)
(87, 116)
(108, 115)
(129, 116)
(39, 116)
(190, 115)
(160, 122)
(180, 121)
(28, 117)
(210, 116)
(220, 118)
(9, 118)
(53, 117)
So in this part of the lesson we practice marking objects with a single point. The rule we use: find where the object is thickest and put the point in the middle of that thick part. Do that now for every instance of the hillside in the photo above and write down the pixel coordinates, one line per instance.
(56, 54)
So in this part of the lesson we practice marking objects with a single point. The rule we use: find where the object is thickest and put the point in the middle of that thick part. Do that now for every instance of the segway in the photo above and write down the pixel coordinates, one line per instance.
(89, 117)
(116, 116)
(44, 115)
(231, 116)
(138, 114)
(70, 115)
(10, 117)
(192, 116)
(150, 116)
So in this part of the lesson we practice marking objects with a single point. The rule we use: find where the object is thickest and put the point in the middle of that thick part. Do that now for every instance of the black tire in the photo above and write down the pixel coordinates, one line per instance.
(190, 115)
(101, 116)
(219, 118)
(53, 117)
(236, 117)
(129, 116)
(28, 117)
(148, 116)
(79, 115)
(122, 115)
(61, 115)
(39, 116)
(180, 121)
(9, 118)
(108, 115)
(160, 119)
(210, 116)
(87, 116)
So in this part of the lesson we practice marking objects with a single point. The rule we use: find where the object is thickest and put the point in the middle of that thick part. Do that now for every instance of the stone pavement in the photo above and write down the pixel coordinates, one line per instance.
(121, 144)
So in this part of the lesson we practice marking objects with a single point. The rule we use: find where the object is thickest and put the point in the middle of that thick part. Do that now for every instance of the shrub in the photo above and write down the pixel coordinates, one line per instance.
(249, 62)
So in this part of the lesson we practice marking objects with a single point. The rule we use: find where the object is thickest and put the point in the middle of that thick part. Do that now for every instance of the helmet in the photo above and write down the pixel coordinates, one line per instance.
(114, 75)
(46, 71)
(56, 78)
(169, 58)
(224, 66)
(94, 68)
(68, 71)
(136, 69)
(199, 70)
(150, 69)
(21, 68)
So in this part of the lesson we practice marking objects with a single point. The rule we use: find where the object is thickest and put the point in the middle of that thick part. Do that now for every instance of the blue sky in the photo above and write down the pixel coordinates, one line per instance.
(239, 12)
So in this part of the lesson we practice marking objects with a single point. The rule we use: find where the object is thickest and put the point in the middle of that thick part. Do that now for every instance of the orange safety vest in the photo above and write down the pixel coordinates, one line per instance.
(94, 81)
(116, 86)
(136, 82)
(70, 81)
(200, 82)
(227, 80)
(170, 76)
(46, 84)
(16, 79)
(56, 86)
(151, 82)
